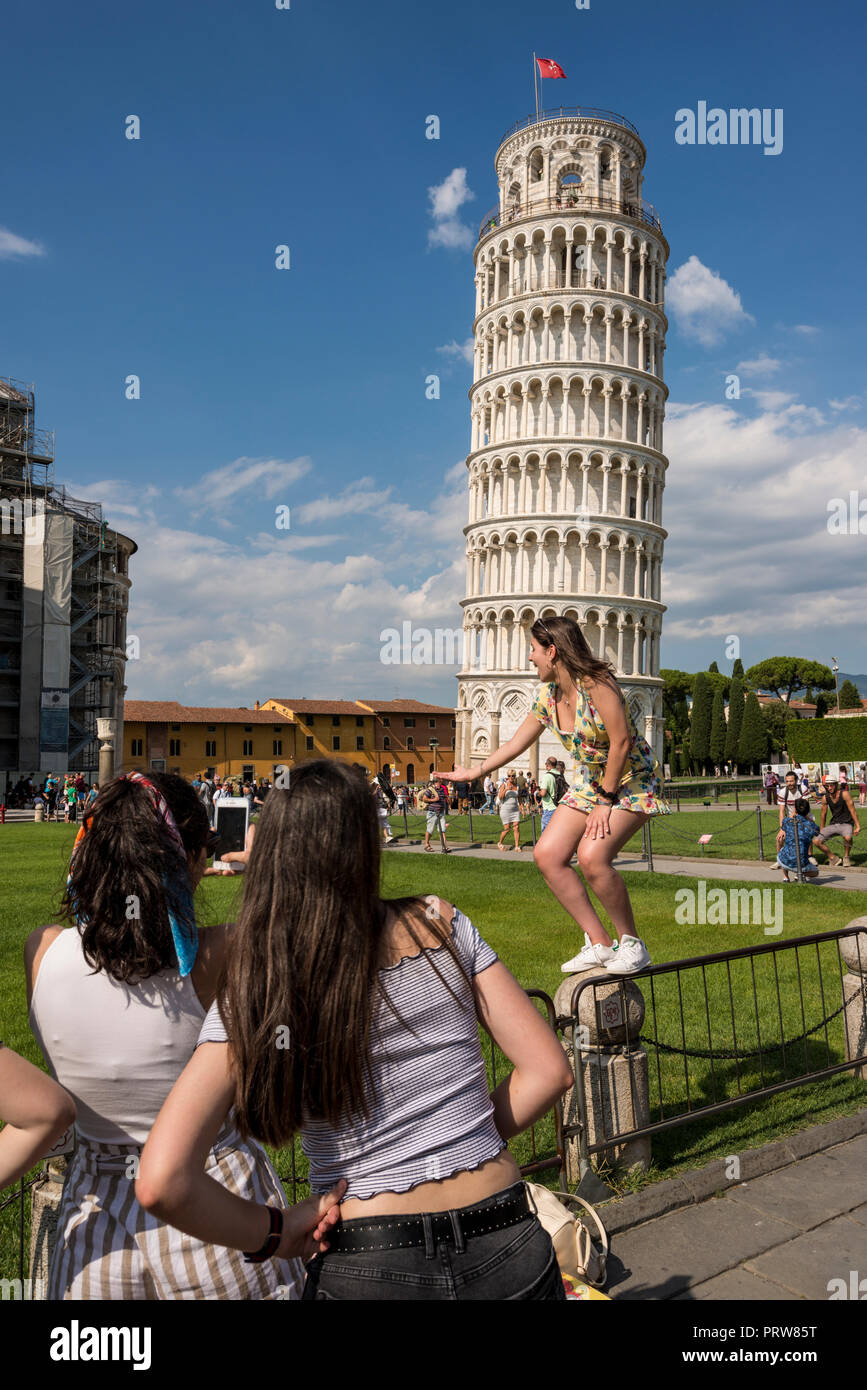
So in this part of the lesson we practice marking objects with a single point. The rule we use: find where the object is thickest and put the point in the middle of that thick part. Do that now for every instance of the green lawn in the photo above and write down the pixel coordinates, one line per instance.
(515, 912)
(735, 833)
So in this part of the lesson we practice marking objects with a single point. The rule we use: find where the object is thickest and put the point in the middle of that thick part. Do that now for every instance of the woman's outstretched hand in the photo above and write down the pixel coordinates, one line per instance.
(307, 1224)
(460, 774)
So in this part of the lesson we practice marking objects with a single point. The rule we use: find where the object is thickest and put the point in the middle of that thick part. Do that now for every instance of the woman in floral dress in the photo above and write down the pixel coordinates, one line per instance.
(616, 787)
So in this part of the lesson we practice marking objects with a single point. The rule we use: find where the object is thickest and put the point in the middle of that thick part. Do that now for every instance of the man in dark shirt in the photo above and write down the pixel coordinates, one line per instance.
(434, 800)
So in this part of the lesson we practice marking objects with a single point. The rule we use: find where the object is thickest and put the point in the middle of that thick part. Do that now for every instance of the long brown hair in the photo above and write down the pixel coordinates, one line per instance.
(301, 984)
(128, 872)
(573, 650)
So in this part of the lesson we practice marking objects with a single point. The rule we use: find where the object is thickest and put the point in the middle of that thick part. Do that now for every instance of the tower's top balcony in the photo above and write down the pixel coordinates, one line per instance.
(588, 113)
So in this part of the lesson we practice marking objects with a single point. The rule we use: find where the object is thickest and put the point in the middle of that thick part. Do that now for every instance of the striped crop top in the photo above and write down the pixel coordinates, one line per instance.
(431, 1114)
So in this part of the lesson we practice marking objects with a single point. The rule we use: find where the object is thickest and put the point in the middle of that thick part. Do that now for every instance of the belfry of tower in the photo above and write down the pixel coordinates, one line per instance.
(566, 469)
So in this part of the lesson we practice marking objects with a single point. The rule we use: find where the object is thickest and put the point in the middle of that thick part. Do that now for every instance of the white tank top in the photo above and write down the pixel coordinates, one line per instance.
(118, 1049)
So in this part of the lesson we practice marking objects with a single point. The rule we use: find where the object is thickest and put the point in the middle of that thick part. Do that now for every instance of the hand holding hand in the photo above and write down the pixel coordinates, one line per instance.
(306, 1225)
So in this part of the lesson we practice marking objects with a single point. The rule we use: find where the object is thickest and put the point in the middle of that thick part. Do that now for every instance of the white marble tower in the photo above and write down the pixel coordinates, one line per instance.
(566, 469)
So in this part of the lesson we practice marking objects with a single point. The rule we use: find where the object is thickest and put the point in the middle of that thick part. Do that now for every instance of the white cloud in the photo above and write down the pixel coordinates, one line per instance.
(746, 500)
(268, 477)
(760, 365)
(806, 328)
(12, 246)
(849, 403)
(359, 496)
(228, 617)
(450, 195)
(705, 306)
(446, 200)
(454, 349)
(769, 400)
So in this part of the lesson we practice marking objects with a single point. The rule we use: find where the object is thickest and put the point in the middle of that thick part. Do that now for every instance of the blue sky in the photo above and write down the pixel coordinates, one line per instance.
(306, 387)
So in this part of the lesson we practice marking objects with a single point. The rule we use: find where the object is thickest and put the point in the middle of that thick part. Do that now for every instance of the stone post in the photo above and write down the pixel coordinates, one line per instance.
(853, 950)
(616, 1093)
(105, 731)
(45, 1200)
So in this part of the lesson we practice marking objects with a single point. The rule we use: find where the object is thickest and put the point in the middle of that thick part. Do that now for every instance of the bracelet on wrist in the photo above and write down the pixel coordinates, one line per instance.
(268, 1250)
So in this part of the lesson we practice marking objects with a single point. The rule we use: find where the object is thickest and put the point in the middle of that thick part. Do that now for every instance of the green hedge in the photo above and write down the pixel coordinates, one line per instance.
(827, 740)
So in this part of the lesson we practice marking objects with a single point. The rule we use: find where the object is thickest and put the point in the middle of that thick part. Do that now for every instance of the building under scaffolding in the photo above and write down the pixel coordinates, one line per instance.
(64, 592)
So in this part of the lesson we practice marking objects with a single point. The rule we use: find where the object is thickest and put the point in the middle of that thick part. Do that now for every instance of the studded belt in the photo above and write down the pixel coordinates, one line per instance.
(405, 1232)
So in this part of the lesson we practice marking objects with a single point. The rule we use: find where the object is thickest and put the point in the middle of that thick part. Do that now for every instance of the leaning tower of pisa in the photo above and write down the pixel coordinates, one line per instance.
(566, 469)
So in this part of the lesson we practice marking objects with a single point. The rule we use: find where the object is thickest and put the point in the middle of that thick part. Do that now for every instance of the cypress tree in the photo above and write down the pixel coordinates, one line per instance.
(849, 697)
(736, 719)
(738, 668)
(699, 728)
(718, 730)
(753, 742)
(713, 667)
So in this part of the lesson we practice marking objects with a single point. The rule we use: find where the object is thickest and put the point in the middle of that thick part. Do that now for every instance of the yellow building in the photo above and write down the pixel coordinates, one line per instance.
(164, 736)
(329, 729)
(407, 737)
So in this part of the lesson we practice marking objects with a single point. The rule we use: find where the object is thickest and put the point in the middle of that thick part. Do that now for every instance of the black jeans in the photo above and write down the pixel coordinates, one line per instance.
(515, 1263)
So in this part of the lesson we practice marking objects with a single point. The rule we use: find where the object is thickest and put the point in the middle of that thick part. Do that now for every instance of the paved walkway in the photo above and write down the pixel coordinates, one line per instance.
(784, 1235)
(743, 870)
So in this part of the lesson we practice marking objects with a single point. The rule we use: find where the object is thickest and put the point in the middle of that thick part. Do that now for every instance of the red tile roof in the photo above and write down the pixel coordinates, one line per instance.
(170, 712)
(317, 706)
(406, 707)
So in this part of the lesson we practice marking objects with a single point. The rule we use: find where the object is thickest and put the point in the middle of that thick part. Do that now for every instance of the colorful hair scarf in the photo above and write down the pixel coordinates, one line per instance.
(184, 934)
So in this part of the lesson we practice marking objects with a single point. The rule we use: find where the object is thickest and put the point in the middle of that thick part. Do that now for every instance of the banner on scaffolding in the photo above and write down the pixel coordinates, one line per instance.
(54, 724)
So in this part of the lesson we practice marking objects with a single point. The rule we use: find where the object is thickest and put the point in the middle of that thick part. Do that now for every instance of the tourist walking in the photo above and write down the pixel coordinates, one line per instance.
(435, 801)
(548, 789)
(382, 812)
(386, 996)
(206, 792)
(510, 812)
(771, 782)
(616, 788)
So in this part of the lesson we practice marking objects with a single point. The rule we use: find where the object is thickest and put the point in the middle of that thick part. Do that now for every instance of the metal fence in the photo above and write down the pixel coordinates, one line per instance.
(719, 1032)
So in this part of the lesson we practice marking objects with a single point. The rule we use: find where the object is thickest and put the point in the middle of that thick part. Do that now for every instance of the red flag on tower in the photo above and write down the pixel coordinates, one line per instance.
(548, 68)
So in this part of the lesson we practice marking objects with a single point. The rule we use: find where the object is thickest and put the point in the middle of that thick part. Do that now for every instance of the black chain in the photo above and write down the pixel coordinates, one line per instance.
(717, 834)
(756, 1052)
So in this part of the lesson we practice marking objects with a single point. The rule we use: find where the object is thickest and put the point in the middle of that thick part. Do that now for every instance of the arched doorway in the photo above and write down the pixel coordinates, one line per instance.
(410, 772)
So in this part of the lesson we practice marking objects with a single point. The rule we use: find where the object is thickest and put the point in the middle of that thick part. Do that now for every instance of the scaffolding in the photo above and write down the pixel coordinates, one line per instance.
(97, 590)
(96, 622)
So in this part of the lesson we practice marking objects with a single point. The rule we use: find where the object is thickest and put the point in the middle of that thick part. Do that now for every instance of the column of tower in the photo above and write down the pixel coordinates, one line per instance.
(566, 469)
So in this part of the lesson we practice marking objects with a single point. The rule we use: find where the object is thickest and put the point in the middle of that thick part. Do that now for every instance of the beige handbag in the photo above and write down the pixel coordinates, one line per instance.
(573, 1244)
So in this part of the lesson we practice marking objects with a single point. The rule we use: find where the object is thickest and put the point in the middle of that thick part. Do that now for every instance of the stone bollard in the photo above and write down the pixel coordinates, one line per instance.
(615, 1082)
(45, 1200)
(853, 950)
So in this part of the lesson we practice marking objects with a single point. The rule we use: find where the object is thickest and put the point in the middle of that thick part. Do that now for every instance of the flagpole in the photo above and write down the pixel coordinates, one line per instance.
(536, 84)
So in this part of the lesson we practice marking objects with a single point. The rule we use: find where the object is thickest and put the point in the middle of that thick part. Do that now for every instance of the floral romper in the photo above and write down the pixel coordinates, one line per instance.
(640, 785)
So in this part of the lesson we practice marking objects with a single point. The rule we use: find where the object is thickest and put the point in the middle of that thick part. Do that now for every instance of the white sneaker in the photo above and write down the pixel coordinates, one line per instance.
(632, 955)
(588, 957)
